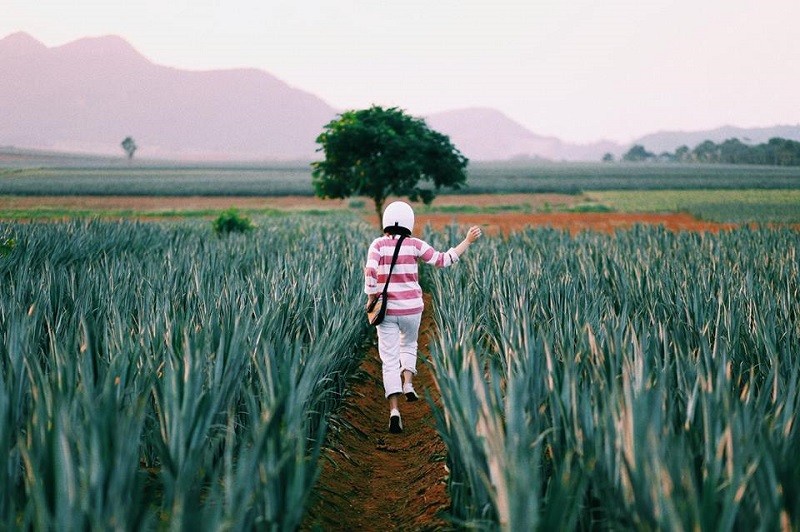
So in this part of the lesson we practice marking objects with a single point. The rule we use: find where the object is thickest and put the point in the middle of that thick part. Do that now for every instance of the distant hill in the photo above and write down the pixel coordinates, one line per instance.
(89, 94)
(487, 134)
(670, 140)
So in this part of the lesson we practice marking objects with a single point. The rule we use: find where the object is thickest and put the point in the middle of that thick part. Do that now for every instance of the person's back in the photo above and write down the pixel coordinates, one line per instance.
(404, 292)
(397, 333)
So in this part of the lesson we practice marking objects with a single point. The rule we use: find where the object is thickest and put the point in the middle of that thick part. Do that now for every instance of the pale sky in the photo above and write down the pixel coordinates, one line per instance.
(581, 70)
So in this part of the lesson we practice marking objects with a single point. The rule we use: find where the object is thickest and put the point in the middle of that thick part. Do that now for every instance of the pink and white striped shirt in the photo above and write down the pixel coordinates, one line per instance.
(404, 294)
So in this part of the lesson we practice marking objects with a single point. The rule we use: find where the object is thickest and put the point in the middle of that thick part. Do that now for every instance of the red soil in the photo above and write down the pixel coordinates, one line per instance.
(574, 222)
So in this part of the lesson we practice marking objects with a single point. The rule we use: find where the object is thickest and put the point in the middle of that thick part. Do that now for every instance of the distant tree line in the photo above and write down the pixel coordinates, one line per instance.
(776, 152)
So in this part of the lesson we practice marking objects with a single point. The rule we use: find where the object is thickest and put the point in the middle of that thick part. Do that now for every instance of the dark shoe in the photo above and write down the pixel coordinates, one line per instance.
(395, 424)
(408, 390)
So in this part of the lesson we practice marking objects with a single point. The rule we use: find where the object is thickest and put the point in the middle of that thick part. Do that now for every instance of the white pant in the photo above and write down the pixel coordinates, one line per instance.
(397, 345)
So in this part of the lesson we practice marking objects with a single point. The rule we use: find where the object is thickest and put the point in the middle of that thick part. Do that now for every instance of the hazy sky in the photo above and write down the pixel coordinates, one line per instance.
(581, 70)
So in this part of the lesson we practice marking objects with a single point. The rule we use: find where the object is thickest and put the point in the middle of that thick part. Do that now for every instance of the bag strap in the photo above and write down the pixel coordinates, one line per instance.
(394, 259)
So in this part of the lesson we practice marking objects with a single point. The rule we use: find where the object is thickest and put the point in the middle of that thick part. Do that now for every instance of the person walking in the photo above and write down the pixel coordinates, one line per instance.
(398, 332)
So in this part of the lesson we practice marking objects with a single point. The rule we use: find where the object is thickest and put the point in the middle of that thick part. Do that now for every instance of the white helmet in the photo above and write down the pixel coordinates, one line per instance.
(398, 218)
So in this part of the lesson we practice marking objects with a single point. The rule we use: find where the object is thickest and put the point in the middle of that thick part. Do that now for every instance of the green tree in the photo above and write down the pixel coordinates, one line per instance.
(706, 152)
(130, 147)
(683, 154)
(637, 153)
(783, 152)
(608, 158)
(379, 152)
(733, 151)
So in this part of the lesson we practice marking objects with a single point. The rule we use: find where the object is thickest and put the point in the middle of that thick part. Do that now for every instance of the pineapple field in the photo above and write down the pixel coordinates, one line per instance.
(156, 376)
(642, 380)
(160, 377)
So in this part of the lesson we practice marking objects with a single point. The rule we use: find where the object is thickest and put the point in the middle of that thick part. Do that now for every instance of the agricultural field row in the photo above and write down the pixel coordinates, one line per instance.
(643, 380)
(585, 177)
(781, 206)
(157, 376)
(158, 181)
(724, 206)
(295, 179)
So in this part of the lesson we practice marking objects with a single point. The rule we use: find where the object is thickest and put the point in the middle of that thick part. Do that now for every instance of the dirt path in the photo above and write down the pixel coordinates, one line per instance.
(373, 480)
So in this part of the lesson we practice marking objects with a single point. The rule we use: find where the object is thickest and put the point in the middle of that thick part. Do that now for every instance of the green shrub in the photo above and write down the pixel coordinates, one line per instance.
(230, 221)
(589, 207)
(7, 246)
(357, 204)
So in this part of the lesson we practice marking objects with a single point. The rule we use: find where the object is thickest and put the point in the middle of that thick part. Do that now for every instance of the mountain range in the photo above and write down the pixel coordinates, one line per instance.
(87, 95)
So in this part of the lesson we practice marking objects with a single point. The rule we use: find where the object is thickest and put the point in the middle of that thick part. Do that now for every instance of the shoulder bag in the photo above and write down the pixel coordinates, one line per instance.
(377, 309)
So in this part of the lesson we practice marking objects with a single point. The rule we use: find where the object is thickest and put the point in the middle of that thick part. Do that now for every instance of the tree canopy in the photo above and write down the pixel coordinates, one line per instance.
(129, 145)
(637, 153)
(379, 152)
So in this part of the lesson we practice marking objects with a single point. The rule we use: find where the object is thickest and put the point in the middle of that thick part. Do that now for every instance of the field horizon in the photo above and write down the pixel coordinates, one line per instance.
(170, 189)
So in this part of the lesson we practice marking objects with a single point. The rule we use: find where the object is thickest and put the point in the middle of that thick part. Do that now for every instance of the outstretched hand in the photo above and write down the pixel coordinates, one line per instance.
(473, 234)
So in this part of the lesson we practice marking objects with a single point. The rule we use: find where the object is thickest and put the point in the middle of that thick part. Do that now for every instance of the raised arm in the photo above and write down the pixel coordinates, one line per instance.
(452, 255)
(473, 234)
